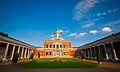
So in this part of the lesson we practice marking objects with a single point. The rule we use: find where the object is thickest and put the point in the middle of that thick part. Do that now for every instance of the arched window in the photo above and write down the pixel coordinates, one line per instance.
(47, 46)
(64, 53)
(46, 53)
(60, 46)
(57, 46)
(38, 54)
(50, 53)
(53, 46)
(50, 46)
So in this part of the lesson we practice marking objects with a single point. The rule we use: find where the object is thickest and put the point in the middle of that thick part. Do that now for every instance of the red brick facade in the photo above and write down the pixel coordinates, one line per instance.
(57, 46)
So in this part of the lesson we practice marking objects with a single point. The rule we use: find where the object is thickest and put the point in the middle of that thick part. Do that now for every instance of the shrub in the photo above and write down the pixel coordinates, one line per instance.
(31, 56)
(15, 58)
(82, 56)
(100, 58)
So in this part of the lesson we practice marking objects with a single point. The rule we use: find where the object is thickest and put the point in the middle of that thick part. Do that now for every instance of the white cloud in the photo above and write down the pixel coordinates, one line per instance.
(99, 14)
(104, 13)
(52, 35)
(82, 34)
(113, 23)
(67, 31)
(73, 34)
(88, 25)
(61, 31)
(96, 19)
(93, 20)
(93, 31)
(109, 11)
(83, 7)
(116, 9)
(106, 29)
(78, 35)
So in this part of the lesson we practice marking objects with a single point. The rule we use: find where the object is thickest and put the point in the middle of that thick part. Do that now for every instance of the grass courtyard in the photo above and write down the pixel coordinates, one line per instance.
(51, 63)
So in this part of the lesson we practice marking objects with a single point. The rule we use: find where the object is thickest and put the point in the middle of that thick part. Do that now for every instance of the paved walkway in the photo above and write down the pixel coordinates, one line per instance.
(105, 67)
(106, 64)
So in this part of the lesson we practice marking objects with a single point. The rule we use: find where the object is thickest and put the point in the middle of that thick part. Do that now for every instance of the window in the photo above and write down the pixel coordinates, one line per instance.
(53, 46)
(50, 53)
(60, 46)
(38, 54)
(47, 46)
(50, 46)
(57, 46)
(64, 53)
(67, 53)
(46, 53)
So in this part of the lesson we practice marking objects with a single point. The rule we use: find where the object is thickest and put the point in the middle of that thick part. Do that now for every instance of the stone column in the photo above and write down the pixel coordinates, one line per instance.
(55, 49)
(85, 53)
(22, 53)
(25, 53)
(30, 51)
(28, 54)
(114, 52)
(94, 50)
(6, 50)
(13, 52)
(48, 45)
(106, 54)
(88, 52)
(18, 49)
(91, 53)
(98, 49)
(66, 52)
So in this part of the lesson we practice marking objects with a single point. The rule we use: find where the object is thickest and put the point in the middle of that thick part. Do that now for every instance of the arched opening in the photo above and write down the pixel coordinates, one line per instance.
(47, 46)
(50, 46)
(57, 46)
(38, 54)
(53, 46)
(60, 46)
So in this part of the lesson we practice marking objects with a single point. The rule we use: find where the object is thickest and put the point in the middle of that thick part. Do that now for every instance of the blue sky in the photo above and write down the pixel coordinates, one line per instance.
(82, 21)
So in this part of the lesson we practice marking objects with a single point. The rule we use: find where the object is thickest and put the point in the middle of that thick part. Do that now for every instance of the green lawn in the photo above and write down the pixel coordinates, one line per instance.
(49, 63)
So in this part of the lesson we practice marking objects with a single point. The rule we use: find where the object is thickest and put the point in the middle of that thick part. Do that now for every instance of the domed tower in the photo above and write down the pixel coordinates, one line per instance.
(57, 35)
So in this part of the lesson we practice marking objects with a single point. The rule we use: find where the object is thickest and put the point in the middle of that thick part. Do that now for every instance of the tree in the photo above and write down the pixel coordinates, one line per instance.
(31, 56)
(15, 58)
(3, 34)
(99, 58)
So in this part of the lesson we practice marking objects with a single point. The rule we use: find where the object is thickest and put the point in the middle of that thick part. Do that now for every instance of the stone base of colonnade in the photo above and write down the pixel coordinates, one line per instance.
(114, 60)
(4, 60)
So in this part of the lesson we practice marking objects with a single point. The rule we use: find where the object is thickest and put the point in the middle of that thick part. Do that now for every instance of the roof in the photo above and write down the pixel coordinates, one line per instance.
(103, 38)
(15, 40)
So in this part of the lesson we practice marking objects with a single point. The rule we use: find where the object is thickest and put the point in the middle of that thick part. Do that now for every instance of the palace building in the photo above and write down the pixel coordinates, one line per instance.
(55, 47)
(108, 47)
